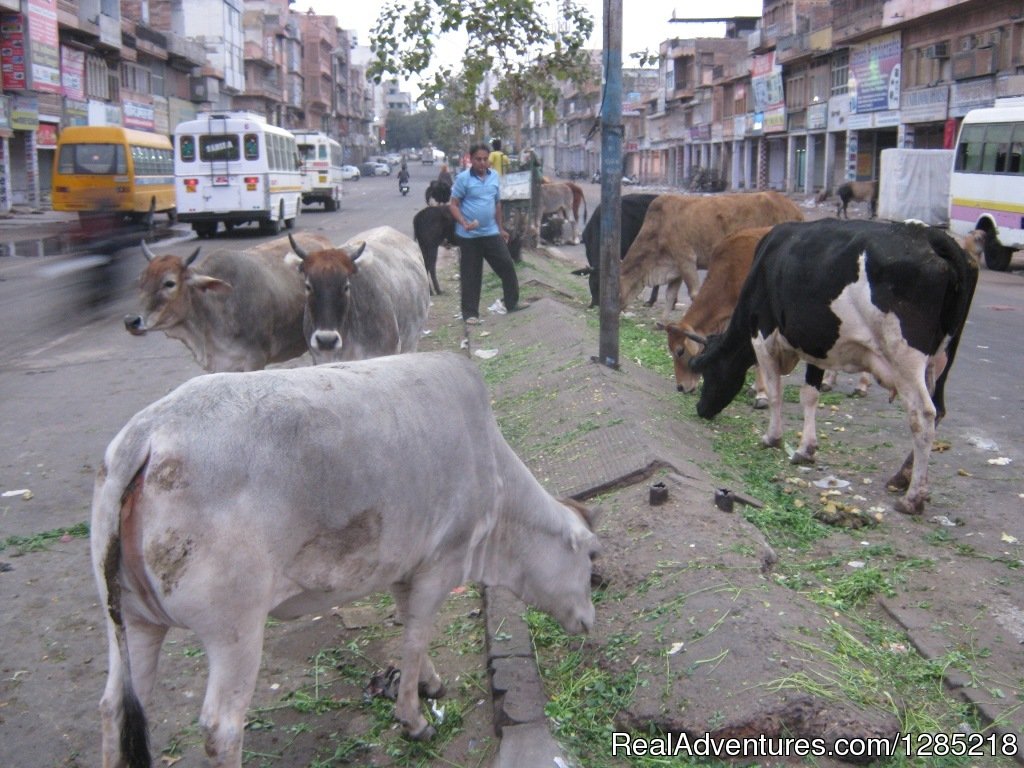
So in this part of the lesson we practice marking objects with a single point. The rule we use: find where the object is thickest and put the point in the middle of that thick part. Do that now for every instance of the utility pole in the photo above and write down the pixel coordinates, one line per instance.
(611, 185)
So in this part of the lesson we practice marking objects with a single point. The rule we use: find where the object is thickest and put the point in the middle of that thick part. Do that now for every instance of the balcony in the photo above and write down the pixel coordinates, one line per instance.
(187, 53)
(852, 22)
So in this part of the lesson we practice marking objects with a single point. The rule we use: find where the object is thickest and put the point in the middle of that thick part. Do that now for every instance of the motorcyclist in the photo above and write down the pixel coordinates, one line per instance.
(403, 177)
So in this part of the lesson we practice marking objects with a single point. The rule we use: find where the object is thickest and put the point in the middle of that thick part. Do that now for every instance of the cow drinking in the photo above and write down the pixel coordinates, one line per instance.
(288, 491)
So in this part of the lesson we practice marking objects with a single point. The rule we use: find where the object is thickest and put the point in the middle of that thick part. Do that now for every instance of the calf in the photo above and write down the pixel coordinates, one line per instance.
(279, 493)
(433, 227)
(889, 298)
(234, 310)
(438, 191)
(861, 191)
(365, 299)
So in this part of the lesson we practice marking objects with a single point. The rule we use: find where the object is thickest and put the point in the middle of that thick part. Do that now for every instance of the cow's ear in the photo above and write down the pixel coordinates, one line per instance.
(206, 283)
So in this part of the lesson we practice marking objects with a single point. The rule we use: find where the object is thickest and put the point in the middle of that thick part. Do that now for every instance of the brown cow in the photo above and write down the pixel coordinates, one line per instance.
(861, 191)
(234, 310)
(712, 308)
(681, 231)
(711, 311)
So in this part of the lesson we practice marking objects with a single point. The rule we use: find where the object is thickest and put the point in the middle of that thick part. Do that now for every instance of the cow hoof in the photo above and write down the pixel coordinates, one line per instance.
(760, 403)
(437, 693)
(426, 733)
(826, 387)
(767, 442)
(906, 507)
(898, 483)
(859, 393)
(800, 458)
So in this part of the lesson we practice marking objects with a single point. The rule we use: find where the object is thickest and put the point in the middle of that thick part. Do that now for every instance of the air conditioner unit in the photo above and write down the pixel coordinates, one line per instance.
(969, 43)
(937, 51)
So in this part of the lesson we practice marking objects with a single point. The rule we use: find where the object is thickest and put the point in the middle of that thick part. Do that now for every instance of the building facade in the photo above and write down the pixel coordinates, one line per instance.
(150, 64)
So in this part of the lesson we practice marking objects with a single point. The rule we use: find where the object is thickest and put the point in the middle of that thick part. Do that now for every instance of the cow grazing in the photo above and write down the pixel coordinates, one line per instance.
(365, 299)
(439, 192)
(888, 298)
(288, 491)
(680, 232)
(234, 310)
(634, 209)
(861, 191)
(711, 311)
(433, 227)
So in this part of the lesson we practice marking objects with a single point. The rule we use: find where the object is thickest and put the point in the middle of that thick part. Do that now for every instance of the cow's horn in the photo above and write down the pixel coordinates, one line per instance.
(146, 252)
(295, 247)
(192, 258)
(694, 337)
(358, 251)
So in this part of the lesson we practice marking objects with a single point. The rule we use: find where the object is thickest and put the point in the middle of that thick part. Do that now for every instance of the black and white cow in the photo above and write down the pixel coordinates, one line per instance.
(888, 298)
(634, 208)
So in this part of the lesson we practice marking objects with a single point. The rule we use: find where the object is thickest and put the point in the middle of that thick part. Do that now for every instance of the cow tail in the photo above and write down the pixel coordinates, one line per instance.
(955, 306)
(134, 728)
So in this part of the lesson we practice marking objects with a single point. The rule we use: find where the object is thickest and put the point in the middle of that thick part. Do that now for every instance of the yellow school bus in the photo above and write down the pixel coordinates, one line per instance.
(107, 170)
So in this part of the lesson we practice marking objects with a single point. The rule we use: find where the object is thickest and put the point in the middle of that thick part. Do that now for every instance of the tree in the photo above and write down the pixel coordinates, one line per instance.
(502, 36)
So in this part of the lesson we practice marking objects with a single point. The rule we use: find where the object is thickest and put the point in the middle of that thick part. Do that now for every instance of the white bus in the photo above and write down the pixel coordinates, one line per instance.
(235, 168)
(321, 167)
(986, 186)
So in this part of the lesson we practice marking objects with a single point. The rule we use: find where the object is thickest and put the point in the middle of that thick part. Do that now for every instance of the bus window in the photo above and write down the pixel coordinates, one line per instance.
(187, 146)
(252, 146)
(968, 155)
(997, 140)
(323, 151)
(92, 159)
(218, 147)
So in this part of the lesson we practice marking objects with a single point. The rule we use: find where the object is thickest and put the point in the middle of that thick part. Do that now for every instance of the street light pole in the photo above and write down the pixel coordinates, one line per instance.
(611, 185)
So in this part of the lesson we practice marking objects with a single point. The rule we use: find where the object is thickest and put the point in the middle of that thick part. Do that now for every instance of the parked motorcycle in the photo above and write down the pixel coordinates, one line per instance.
(630, 181)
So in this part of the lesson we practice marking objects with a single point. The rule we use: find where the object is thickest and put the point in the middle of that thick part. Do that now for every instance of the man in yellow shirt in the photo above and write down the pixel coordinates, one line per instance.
(498, 160)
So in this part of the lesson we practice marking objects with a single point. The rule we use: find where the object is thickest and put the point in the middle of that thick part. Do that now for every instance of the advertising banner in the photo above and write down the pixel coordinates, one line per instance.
(875, 74)
(72, 74)
(44, 52)
(12, 51)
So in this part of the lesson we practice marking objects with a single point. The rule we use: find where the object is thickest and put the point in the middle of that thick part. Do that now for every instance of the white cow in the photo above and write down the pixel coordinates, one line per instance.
(283, 492)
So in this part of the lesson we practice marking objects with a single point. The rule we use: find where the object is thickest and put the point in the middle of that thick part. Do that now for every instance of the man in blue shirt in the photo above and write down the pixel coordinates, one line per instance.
(481, 235)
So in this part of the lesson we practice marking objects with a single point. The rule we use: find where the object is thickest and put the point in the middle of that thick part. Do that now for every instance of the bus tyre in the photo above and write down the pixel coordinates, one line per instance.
(330, 204)
(997, 255)
(205, 228)
(270, 226)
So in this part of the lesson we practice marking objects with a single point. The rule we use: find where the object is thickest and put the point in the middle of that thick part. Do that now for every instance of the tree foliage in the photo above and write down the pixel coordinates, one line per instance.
(512, 38)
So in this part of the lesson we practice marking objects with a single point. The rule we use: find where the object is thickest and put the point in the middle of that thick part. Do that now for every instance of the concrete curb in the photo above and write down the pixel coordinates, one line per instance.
(516, 688)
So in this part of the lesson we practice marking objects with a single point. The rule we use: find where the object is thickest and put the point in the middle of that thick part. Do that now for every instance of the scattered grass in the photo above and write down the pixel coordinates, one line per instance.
(42, 541)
